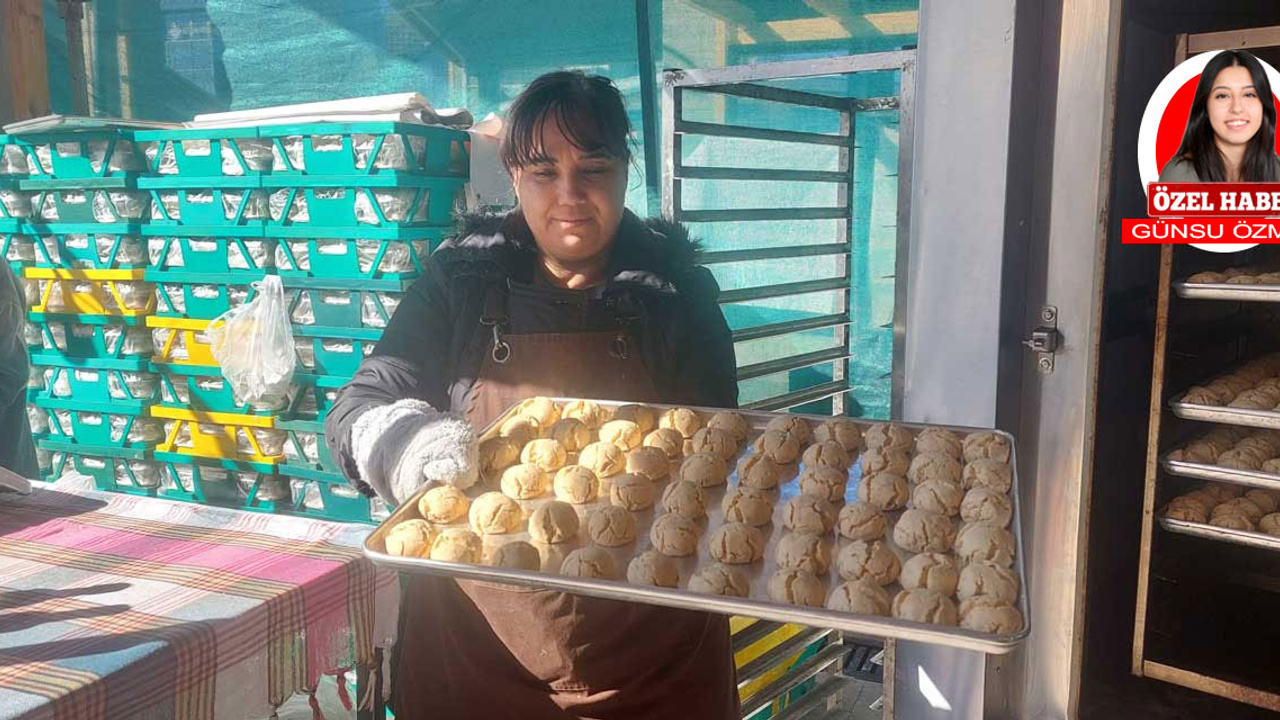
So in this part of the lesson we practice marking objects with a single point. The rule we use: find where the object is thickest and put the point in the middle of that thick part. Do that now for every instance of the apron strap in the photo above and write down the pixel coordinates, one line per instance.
(494, 316)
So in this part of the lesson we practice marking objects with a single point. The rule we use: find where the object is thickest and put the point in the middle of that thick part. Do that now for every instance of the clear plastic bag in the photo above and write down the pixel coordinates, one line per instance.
(254, 345)
(32, 334)
(16, 203)
(13, 161)
(21, 249)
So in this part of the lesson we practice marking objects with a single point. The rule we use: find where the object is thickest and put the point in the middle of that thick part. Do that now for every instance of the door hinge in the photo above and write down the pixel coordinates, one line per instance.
(1045, 339)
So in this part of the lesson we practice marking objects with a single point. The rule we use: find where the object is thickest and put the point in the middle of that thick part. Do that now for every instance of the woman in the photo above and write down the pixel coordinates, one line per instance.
(569, 295)
(1231, 132)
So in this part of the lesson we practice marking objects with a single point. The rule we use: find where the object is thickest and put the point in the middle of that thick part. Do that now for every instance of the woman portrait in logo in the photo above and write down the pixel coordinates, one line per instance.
(1231, 132)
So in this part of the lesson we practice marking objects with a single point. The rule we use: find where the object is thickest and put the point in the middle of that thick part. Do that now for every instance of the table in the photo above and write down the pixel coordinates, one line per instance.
(119, 606)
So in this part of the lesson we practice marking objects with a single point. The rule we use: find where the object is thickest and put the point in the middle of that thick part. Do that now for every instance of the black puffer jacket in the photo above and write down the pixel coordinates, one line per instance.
(433, 346)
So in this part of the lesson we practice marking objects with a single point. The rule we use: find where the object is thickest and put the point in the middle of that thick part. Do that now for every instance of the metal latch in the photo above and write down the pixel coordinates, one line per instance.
(1045, 338)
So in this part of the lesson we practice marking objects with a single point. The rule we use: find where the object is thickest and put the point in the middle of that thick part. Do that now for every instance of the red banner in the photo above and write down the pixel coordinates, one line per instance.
(1161, 231)
(1173, 200)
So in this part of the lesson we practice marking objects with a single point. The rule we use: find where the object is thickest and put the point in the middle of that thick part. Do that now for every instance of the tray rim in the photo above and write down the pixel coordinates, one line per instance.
(1264, 419)
(1234, 476)
(867, 625)
(1205, 531)
(1224, 291)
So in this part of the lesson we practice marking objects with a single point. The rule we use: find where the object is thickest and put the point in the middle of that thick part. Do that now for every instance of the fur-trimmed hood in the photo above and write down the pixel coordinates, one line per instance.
(654, 252)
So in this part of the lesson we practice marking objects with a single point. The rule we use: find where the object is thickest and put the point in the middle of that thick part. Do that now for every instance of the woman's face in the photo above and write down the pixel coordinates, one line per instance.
(571, 198)
(1235, 112)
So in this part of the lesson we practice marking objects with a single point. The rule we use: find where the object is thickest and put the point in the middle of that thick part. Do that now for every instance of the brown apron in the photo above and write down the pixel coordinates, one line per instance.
(482, 650)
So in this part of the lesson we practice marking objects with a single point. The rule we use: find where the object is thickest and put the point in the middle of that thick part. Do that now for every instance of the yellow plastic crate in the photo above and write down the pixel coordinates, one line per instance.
(760, 647)
(88, 292)
(185, 344)
(220, 435)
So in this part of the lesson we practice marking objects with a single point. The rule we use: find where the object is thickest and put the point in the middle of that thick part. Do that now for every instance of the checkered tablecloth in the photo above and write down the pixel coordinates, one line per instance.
(116, 606)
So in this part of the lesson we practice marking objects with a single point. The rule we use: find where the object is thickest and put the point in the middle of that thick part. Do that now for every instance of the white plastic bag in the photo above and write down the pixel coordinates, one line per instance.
(254, 345)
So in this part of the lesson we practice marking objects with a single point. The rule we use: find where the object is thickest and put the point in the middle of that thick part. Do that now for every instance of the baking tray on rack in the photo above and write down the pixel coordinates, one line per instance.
(1252, 478)
(757, 604)
(1266, 419)
(1221, 534)
(1226, 291)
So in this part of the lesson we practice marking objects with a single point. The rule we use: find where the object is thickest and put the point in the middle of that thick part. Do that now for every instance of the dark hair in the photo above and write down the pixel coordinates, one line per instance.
(1259, 163)
(588, 109)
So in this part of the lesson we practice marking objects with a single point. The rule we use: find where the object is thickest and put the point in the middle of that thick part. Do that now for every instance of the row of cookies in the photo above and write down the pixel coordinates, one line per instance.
(1253, 386)
(1237, 276)
(1234, 447)
(1229, 506)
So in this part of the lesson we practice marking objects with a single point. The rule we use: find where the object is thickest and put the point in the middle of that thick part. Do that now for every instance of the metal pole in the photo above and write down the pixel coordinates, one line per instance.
(648, 108)
(73, 12)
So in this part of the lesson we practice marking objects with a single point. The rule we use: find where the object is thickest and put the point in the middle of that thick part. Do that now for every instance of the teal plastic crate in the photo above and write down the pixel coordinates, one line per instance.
(18, 248)
(305, 446)
(237, 256)
(368, 148)
(74, 338)
(96, 247)
(336, 352)
(327, 496)
(203, 157)
(339, 253)
(313, 398)
(122, 470)
(79, 158)
(13, 158)
(199, 296)
(344, 303)
(359, 202)
(16, 206)
(118, 383)
(227, 483)
(91, 206)
(209, 211)
(97, 424)
(203, 388)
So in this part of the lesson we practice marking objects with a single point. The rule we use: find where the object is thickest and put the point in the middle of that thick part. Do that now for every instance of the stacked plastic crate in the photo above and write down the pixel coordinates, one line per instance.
(72, 215)
(345, 214)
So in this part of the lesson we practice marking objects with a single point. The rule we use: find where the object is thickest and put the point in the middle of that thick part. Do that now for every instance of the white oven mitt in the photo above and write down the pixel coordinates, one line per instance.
(402, 446)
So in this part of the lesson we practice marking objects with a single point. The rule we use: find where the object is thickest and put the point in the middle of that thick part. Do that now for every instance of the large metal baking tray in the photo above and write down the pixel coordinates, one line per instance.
(758, 604)
(1225, 291)
(1221, 534)
(1266, 419)
(1252, 478)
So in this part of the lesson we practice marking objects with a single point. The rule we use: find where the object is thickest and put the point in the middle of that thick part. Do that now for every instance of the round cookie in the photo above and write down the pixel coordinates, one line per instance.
(803, 551)
(642, 415)
(493, 513)
(862, 597)
(792, 425)
(589, 562)
(653, 568)
(669, 441)
(704, 470)
(984, 445)
(845, 432)
(457, 545)
(938, 496)
(542, 409)
(575, 484)
(572, 434)
(778, 446)
(745, 505)
(829, 453)
(549, 455)
(632, 492)
(603, 458)
(682, 420)
(988, 473)
(736, 544)
(939, 440)
(714, 441)
(984, 505)
(985, 542)
(623, 433)
(987, 614)
(876, 460)
(718, 579)
(443, 504)
(926, 606)
(517, 555)
(1270, 524)
(886, 436)
(1188, 513)
(934, 466)
(1234, 520)
(935, 571)
(885, 490)
(983, 577)
(674, 536)
(808, 514)
(411, 538)
(520, 429)
(797, 587)
(731, 422)
(498, 454)
(524, 482)
(825, 482)
(649, 462)
(553, 522)
(759, 472)
(873, 560)
(685, 499)
(1267, 500)
(611, 526)
(862, 521)
(1242, 505)
(589, 412)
